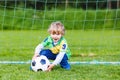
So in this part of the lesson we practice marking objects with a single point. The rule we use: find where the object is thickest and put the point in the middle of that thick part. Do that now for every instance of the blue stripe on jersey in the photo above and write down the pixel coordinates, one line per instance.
(53, 44)
(45, 39)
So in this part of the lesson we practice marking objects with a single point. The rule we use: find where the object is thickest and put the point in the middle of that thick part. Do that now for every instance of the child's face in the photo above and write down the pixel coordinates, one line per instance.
(56, 36)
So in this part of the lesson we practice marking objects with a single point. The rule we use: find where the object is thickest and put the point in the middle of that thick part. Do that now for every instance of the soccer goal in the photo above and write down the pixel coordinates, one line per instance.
(92, 28)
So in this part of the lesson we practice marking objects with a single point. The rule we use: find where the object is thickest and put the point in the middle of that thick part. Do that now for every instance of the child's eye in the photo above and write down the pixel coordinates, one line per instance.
(55, 33)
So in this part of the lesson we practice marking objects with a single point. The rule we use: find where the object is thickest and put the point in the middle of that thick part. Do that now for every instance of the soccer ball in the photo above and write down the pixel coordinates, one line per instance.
(40, 63)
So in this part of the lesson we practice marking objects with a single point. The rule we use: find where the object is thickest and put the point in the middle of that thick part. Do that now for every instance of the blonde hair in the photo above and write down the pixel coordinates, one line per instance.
(56, 28)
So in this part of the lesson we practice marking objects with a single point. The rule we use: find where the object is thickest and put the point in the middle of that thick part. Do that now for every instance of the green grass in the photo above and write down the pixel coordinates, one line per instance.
(19, 46)
(77, 72)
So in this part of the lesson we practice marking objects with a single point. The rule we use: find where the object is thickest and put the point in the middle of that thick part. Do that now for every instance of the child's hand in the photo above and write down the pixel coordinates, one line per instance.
(34, 56)
(50, 67)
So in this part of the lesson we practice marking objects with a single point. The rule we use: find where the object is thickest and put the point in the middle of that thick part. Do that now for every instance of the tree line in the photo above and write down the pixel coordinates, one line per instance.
(49, 4)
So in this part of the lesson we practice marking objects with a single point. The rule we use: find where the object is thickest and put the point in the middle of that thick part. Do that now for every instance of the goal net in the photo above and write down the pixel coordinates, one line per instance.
(92, 26)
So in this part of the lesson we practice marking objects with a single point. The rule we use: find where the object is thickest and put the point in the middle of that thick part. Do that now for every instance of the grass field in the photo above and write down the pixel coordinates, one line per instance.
(19, 46)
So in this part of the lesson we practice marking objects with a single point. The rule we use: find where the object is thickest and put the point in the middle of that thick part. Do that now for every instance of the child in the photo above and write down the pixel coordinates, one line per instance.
(57, 47)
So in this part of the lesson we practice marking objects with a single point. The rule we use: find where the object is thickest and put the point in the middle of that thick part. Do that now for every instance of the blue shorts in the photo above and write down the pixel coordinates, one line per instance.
(64, 62)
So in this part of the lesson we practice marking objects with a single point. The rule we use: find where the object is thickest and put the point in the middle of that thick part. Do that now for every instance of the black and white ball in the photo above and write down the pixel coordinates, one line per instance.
(40, 63)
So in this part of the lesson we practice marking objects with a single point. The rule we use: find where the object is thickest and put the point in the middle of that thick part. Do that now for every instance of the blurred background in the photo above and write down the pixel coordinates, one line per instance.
(92, 26)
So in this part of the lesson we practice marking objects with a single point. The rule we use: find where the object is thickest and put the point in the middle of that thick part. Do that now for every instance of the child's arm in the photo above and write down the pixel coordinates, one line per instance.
(37, 51)
(58, 58)
(56, 61)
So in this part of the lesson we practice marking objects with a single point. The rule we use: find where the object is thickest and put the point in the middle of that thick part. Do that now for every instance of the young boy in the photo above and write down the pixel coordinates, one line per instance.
(57, 47)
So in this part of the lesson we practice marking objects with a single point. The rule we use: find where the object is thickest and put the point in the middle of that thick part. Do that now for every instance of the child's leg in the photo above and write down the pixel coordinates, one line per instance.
(48, 54)
(64, 63)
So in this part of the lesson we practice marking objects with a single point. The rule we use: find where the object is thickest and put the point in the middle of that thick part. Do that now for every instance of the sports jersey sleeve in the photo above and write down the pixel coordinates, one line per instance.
(58, 58)
(40, 46)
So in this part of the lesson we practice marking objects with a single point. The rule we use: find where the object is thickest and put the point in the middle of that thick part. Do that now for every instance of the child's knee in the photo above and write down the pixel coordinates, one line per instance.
(43, 52)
